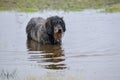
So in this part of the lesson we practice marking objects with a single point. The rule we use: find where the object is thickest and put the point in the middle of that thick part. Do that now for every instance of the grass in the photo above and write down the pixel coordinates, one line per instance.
(55, 76)
(66, 5)
(113, 8)
(7, 74)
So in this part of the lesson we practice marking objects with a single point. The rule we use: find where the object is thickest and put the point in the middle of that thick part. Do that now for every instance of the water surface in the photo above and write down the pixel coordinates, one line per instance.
(90, 48)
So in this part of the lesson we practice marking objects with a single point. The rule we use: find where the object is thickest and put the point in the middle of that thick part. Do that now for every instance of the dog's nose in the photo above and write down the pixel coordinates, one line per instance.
(59, 31)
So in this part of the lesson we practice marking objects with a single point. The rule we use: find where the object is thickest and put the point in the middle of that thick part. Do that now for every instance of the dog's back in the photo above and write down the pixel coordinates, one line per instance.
(33, 22)
(34, 27)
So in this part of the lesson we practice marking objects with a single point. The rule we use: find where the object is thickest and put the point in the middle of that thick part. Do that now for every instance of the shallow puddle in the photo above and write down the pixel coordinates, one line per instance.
(90, 48)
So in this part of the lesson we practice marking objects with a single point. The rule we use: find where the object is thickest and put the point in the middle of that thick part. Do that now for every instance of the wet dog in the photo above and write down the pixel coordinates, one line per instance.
(46, 31)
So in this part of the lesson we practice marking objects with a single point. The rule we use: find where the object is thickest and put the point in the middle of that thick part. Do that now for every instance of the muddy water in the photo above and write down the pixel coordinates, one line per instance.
(90, 48)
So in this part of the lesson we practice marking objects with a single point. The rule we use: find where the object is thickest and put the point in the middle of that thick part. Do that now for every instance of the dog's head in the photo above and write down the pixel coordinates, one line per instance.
(55, 27)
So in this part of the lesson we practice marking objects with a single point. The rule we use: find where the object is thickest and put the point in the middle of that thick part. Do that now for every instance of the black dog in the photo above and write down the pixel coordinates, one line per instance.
(46, 31)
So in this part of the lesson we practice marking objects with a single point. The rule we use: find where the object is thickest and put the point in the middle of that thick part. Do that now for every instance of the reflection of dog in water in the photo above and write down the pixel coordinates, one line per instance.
(34, 46)
(49, 54)
(49, 31)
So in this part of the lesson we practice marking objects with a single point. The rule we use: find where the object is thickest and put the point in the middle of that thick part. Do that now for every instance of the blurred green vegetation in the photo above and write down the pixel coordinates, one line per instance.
(66, 5)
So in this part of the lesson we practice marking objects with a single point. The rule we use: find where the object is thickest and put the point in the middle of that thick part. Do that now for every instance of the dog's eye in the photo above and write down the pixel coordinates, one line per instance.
(59, 22)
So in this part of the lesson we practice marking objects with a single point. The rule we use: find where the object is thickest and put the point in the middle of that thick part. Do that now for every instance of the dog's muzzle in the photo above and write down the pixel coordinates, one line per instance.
(58, 32)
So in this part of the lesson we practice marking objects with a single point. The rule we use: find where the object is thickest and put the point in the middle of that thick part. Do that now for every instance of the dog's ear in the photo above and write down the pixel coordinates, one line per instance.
(48, 26)
(63, 24)
(61, 17)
